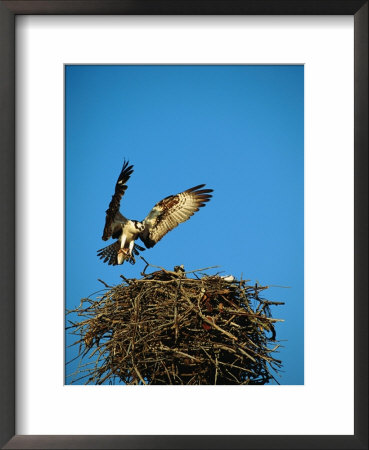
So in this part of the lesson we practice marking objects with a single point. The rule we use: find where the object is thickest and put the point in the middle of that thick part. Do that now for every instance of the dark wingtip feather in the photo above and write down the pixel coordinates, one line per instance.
(198, 189)
(127, 170)
(202, 195)
(205, 191)
(195, 188)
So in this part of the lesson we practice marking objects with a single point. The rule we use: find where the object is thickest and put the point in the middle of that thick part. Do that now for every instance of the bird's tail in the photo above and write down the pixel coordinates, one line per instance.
(112, 254)
(137, 249)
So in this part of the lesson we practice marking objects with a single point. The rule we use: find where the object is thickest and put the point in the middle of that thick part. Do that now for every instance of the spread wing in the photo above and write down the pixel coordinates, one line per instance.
(171, 211)
(113, 209)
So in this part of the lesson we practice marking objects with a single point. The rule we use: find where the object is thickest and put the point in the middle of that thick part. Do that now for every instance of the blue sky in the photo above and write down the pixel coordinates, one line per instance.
(239, 129)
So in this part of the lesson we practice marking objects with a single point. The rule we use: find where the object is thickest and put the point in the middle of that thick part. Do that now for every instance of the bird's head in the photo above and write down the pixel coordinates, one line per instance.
(139, 225)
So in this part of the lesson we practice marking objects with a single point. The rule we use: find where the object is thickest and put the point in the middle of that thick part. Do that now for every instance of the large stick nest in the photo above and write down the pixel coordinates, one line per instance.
(175, 327)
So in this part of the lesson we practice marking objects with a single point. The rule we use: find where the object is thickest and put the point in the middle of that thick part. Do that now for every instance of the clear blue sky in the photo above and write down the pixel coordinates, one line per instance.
(239, 129)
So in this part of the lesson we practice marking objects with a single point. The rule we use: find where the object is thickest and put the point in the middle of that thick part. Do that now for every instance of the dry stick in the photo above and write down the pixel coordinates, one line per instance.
(103, 282)
(216, 370)
(106, 377)
(205, 319)
(147, 265)
(232, 350)
(167, 372)
(215, 363)
(231, 374)
(174, 350)
(166, 325)
(175, 320)
(125, 279)
(210, 322)
(238, 367)
(139, 375)
(156, 267)
(154, 280)
(269, 302)
(200, 270)
(257, 316)
(246, 354)
(174, 273)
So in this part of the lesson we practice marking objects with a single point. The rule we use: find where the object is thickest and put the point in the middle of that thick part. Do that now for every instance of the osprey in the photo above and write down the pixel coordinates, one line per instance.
(165, 215)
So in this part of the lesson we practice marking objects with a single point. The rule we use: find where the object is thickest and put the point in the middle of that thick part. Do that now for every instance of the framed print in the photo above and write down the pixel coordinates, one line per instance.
(258, 111)
(219, 106)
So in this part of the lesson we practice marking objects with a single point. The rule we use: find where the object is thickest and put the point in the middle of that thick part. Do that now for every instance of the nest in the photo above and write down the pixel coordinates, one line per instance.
(176, 327)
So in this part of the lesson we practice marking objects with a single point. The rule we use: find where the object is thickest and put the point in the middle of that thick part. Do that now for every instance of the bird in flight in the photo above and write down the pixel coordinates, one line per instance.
(165, 215)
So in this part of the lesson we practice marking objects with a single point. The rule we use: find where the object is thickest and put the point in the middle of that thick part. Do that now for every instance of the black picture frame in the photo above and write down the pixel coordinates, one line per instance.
(8, 12)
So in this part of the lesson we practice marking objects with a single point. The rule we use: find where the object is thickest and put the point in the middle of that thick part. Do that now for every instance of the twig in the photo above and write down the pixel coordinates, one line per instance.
(103, 282)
